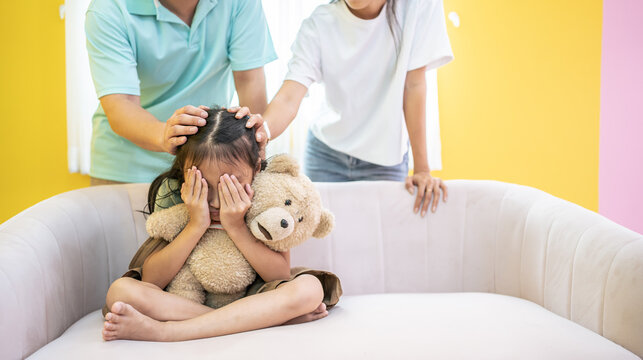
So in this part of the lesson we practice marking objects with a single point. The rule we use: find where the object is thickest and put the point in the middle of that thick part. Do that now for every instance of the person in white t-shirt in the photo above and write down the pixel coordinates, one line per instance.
(372, 56)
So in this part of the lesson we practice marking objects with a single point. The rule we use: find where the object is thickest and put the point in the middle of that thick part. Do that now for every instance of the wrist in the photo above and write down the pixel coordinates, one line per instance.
(196, 227)
(421, 169)
(267, 129)
(236, 230)
(160, 138)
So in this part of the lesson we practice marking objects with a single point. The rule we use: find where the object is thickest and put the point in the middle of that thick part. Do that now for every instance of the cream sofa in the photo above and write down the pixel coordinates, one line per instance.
(501, 271)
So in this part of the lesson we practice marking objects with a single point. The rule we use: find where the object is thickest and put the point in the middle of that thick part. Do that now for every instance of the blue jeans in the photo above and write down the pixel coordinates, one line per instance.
(323, 164)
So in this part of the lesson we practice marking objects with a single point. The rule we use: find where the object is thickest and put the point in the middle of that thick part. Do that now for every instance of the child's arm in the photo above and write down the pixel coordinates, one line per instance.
(163, 265)
(235, 202)
(283, 108)
(415, 117)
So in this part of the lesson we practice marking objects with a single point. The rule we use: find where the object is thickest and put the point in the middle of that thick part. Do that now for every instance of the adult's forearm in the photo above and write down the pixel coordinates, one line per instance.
(162, 266)
(129, 120)
(415, 117)
(251, 88)
(256, 101)
(269, 264)
(284, 107)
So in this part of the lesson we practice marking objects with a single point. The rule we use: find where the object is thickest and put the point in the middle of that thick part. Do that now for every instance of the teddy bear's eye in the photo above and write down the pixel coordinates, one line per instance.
(288, 202)
(301, 219)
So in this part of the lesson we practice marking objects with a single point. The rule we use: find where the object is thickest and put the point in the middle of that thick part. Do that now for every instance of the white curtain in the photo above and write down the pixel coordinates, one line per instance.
(81, 96)
(284, 18)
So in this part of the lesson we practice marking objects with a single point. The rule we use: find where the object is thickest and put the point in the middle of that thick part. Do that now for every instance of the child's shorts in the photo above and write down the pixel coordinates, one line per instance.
(329, 281)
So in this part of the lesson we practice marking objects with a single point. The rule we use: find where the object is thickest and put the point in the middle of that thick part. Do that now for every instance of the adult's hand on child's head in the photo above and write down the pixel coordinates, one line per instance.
(185, 121)
(194, 193)
(256, 121)
(429, 189)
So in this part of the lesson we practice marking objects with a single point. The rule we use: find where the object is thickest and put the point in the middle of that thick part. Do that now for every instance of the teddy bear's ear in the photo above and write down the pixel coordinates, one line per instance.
(326, 224)
(283, 164)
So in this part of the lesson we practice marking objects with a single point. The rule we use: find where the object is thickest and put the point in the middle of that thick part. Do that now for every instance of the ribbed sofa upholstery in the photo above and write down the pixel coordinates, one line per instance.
(499, 271)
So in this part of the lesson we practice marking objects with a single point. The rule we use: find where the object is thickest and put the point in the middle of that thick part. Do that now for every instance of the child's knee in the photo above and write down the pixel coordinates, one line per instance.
(307, 292)
(122, 289)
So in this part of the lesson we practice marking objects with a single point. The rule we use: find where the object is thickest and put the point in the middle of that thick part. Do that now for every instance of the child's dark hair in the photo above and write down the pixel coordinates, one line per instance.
(222, 138)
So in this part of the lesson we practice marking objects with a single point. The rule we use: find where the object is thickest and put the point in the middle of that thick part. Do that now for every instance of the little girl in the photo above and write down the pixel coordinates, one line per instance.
(212, 173)
(372, 56)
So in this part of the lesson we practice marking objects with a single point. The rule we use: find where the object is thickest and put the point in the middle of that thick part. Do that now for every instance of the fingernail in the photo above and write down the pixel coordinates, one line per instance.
(259, 137)
(202, 122)
(415, 210)
(233, 177)
(423, 213)
(204, 114)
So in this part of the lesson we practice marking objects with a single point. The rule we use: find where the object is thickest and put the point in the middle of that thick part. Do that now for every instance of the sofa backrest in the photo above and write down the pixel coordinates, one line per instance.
(58, 258)
(489, 237)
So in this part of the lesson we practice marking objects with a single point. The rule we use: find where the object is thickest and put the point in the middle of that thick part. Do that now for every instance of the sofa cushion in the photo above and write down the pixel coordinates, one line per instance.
(381, 326)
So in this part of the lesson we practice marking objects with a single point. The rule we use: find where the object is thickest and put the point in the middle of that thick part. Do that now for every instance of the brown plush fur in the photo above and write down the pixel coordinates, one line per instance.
(286, 211)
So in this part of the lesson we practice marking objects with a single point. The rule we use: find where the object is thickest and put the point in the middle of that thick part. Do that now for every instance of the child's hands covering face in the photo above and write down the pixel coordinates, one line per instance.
(194, 193)
(235, 200)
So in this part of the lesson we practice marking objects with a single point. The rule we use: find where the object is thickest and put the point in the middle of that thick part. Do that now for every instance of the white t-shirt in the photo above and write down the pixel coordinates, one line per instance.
(364, 77)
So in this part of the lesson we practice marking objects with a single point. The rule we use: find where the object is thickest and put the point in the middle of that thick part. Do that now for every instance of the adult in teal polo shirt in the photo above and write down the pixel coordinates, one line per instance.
(153, 60)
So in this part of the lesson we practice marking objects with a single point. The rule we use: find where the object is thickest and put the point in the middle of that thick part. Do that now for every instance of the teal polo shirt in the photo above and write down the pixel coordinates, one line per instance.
(138, 47)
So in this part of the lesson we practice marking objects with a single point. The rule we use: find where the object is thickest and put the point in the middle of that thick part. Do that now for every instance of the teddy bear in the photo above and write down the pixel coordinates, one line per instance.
(286, 210)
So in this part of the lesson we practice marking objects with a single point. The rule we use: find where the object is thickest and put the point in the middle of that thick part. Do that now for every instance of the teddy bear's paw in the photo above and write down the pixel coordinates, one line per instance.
(194, 295)
(167, 223)
(186, 285)
(217, 300)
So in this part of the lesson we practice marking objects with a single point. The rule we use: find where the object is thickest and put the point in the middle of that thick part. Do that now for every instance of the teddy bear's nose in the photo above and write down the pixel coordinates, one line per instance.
(284, 223)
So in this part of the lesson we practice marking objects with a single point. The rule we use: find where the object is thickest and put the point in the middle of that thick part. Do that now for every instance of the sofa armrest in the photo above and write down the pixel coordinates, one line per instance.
(572, 261)
(58, 258)
(489, 237)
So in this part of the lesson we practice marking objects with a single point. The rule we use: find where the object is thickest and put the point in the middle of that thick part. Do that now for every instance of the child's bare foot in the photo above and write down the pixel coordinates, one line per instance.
(317, 314)
(125, 322)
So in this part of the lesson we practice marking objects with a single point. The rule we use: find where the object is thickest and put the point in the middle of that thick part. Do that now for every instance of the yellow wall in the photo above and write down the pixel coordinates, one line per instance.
(520, 102)
(33, 132)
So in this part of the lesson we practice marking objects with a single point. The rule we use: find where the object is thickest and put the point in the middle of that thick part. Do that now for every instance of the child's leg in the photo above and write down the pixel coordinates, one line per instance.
(317, 314)
(152, 301)
(290, 300)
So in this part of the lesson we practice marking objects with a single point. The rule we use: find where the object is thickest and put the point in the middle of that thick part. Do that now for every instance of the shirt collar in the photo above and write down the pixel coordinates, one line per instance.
(141, 7)
(154, 8)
